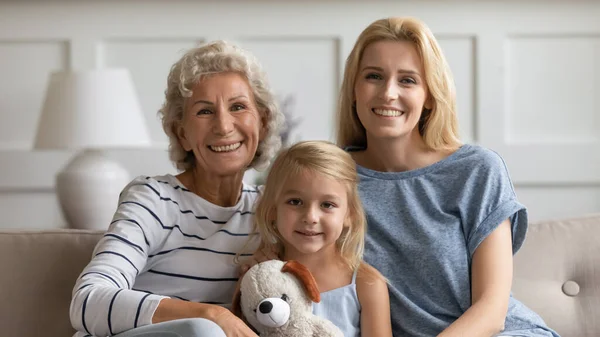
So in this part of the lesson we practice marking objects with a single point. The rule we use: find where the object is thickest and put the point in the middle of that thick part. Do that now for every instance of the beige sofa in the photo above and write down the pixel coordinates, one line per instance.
(557, 273)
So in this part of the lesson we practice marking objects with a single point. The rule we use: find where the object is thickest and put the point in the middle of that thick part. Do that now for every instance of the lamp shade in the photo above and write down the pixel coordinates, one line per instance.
(91, 109)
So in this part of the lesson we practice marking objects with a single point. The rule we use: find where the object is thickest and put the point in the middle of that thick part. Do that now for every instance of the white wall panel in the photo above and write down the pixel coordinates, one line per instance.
(304, 70)
(548, 125)
(149, 61)
(30, 210)
(547, 202)
(552, 89)
(24, 68)
(460, 54)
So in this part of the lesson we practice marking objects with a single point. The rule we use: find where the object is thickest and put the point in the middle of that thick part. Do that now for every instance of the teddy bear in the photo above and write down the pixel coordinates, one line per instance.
(276, 298)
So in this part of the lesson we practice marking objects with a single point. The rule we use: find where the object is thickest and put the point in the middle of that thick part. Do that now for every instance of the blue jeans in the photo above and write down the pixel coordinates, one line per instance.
(190, 327)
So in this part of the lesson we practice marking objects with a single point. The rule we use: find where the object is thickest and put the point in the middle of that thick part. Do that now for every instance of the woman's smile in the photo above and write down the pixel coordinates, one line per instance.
(225, 148)
(387, 112)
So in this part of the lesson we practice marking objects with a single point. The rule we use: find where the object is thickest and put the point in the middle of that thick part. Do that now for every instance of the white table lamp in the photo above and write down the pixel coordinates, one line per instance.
(91, 111)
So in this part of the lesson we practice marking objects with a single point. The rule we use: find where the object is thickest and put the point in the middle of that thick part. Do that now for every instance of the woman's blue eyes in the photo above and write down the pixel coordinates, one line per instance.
(405, 80)
(408, 80)
(372, 76)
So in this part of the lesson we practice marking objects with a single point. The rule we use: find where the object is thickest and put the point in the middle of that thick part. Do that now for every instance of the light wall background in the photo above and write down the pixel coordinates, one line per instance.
(527, 74)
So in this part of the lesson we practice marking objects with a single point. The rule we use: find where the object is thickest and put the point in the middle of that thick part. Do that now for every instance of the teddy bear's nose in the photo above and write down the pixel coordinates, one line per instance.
(265, 307)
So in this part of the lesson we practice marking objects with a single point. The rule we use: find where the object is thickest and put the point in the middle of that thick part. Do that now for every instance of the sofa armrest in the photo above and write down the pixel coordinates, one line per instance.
(39, 269)
(556, 252)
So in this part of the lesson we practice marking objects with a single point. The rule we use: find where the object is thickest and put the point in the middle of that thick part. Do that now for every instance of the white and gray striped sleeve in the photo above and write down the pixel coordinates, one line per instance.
(103, 302)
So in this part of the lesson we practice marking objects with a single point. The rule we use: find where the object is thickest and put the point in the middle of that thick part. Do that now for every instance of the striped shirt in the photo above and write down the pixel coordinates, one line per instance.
(164, 241)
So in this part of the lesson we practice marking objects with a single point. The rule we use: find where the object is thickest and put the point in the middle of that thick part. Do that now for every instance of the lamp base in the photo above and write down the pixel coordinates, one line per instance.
(88, 189)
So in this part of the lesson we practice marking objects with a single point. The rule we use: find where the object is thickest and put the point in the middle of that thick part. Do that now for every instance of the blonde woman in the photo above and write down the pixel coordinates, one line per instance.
(444, 220)
(166, 265)
(310, 212)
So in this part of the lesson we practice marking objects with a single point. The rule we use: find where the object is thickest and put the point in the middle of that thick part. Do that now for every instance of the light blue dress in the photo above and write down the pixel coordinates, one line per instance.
(342, 308)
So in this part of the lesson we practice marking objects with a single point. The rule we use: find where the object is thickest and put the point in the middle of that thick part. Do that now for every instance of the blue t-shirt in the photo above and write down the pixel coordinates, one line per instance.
(424, 226)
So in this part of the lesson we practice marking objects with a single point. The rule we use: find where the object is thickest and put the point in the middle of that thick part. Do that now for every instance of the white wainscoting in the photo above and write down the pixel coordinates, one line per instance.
(526, 71)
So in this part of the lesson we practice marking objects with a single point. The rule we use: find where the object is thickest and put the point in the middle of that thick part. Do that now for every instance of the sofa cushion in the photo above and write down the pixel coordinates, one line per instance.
(39, 270)
(557, 274)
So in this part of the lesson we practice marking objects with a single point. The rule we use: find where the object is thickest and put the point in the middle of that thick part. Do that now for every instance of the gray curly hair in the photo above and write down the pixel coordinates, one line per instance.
(211, 58)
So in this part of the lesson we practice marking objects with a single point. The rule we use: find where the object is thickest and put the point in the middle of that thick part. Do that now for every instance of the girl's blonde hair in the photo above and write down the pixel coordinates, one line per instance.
(438, 126)
(213, 58)
(316, 157)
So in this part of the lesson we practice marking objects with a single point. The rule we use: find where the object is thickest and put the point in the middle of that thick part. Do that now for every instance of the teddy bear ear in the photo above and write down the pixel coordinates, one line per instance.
(303, 274)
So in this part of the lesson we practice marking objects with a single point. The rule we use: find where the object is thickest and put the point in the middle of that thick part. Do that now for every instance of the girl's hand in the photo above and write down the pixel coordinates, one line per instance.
(261, 255)
(232, 325)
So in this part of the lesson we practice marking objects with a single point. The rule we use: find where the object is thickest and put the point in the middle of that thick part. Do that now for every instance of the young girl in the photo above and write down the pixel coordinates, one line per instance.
(310, 212)
(443, 217)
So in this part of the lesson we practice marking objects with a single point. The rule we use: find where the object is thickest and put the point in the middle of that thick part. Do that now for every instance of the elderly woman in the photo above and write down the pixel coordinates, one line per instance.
(166, 265)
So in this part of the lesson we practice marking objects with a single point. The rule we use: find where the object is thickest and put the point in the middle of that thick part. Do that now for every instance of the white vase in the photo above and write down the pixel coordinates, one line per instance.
(88, 189)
